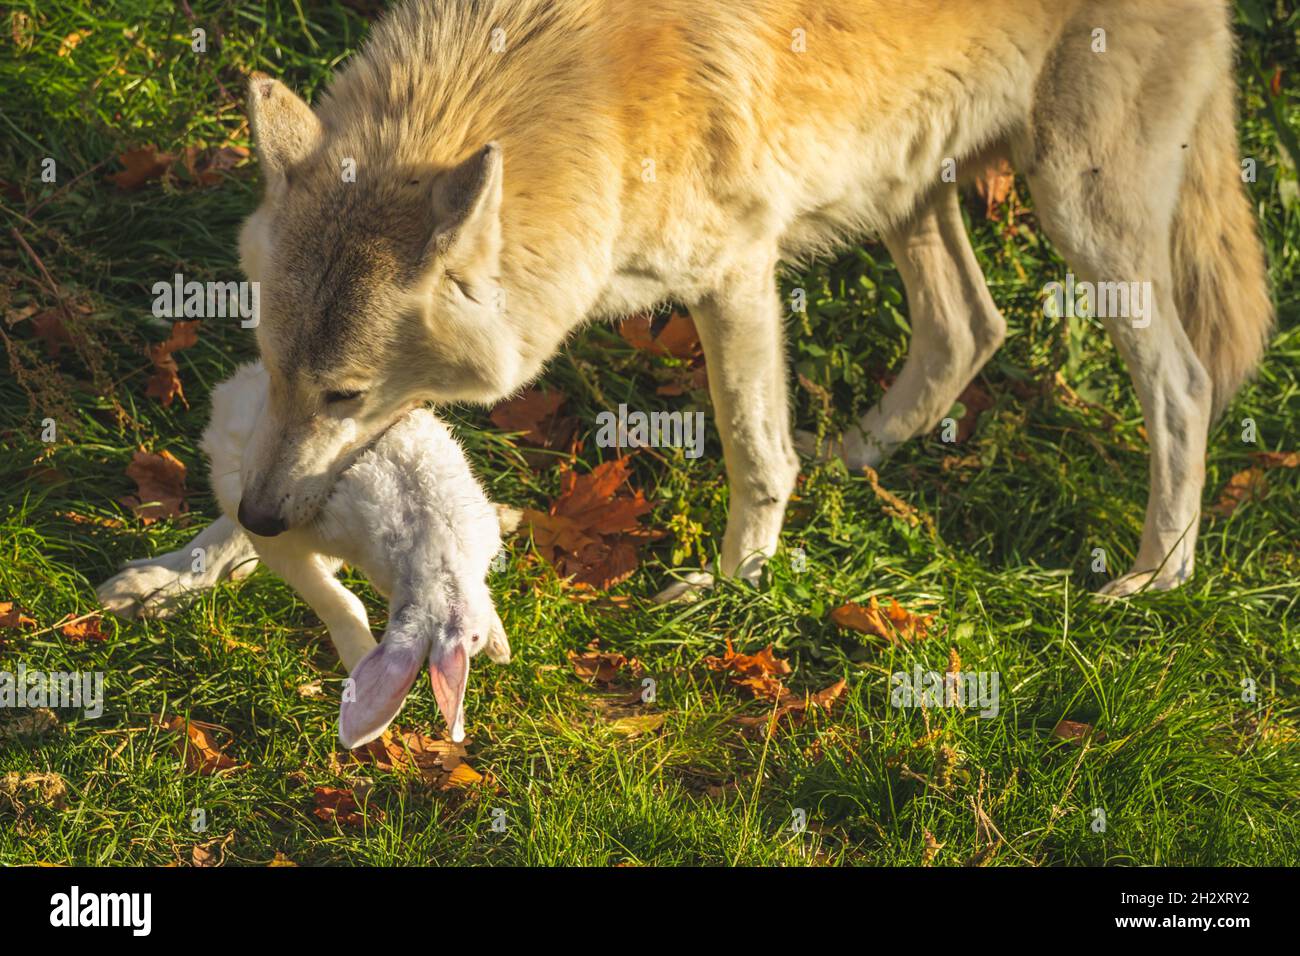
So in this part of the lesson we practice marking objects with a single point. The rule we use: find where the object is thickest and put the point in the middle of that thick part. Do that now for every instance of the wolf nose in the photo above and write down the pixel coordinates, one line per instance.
(259, 522)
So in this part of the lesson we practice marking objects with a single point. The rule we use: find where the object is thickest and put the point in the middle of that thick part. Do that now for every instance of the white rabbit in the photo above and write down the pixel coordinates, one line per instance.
(407, 512)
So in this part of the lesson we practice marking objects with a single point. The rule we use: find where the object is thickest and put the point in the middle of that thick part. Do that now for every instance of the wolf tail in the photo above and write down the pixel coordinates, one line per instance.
(1220, 277)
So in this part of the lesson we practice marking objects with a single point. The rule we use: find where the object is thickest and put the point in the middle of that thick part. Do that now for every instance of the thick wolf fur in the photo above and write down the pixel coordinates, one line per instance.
(525, 166)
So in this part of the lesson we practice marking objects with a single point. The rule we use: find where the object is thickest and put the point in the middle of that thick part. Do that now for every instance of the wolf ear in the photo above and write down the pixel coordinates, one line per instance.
(467, 212)
(284, 127)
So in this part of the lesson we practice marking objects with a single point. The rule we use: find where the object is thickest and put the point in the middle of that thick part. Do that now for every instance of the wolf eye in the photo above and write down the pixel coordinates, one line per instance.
(347, 396)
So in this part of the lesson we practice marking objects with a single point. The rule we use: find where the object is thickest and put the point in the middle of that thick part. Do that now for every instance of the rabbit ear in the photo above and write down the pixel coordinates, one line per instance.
(380, 684)
(449, 673)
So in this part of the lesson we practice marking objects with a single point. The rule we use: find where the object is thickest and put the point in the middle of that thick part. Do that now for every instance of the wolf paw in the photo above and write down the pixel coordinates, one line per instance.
(1135, 581)
(690, 588)
(148, 589)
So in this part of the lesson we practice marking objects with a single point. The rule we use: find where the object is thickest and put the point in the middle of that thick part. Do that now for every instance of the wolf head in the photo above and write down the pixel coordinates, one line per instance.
(378, 291)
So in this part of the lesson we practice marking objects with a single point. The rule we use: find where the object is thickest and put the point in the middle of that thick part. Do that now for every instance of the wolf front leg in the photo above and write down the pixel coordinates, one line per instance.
(741, 329)
(159, 586)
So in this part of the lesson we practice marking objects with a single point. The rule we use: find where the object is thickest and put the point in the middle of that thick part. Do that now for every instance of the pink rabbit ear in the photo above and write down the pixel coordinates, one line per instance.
(379, 687)
(449, 673)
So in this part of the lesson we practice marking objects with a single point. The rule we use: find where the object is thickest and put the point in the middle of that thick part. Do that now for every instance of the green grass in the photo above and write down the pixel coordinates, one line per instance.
(1188, 773)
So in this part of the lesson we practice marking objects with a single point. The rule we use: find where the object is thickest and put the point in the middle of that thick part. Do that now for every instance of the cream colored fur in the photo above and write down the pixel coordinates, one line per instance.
(524, 166)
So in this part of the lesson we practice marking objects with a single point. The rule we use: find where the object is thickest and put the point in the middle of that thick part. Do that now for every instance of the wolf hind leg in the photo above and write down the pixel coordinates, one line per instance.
(1105, 158)
(956, 327)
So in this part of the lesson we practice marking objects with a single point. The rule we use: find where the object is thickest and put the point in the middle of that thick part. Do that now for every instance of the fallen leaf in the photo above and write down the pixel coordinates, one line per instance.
(758, 673)
(141, 166)
(201, 754)
(975, 399)
(281, 860)
(1251, 484)
(433, 759)
(211, 853)
(1077, 732)
(590, 533)
(165, 382)
(206, 166)
(461, 777)
(993, 185)
(335, 805)
(532, 412)
(48, 327)
(824, 699)
(33, 722)
(895, 623)
(674, 336)
(160, 484)
(602, 667)
(87, 629)
(10, 616)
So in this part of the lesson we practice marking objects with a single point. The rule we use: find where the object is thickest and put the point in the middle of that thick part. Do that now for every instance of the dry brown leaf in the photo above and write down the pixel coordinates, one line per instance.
(201, 754)
(165, 383)
(434, 760)
(11, 616)
(140, 166)
(1077, 732)
(160, 484)
(590, 533)
(1251, 484)
(895, 623)
(760, 673)
(32, 722)
(674, 337)
(336, 805)
(993, 184)
(87, 629)
(205, 166)
(211, 853)
(602, 667)
(975, 399)
(48, 327)
(533, 412)
(824, 699)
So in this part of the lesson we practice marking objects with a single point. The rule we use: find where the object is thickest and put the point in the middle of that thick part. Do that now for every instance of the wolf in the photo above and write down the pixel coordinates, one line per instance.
(408, 513)
(486, 176)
